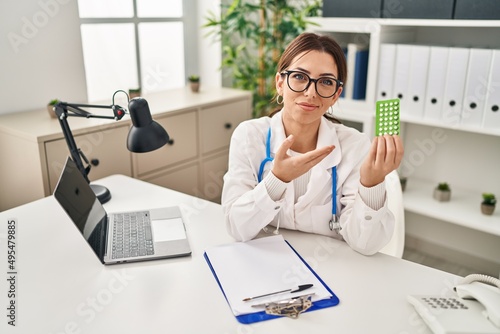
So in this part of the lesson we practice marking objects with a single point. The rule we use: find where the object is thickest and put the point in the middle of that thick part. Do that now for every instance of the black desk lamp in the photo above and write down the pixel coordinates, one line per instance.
(145, 134)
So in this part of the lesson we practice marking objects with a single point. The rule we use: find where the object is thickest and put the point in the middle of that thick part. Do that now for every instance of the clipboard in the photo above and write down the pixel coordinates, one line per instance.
(261, 315)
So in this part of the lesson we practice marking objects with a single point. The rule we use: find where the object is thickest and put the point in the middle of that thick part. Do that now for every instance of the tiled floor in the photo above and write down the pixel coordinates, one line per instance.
(414, 256)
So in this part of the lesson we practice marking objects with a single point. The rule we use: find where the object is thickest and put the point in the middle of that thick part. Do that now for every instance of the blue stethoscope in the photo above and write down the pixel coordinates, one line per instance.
(333, 223)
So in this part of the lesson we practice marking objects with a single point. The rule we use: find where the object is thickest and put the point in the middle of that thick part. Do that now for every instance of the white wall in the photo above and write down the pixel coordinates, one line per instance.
(209, 51)
(465, 160)
(41, 54)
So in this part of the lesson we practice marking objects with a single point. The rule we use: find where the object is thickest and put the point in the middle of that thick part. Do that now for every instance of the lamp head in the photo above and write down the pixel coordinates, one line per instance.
(145, 135)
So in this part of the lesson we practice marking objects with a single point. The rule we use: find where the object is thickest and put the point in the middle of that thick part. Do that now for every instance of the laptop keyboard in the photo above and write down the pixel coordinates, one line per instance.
(132, 235)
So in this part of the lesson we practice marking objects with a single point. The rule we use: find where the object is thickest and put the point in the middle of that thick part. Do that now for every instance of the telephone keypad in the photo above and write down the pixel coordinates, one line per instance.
(444, 303)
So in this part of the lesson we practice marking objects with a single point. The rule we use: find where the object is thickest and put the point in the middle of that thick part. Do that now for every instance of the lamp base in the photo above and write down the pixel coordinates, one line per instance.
(103, 194)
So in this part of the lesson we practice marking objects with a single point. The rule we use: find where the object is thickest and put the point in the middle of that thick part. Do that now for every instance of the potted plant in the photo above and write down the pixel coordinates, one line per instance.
(194, 81)
(50, 108)
(488, 203)
(442, 192)
(134, 92)
(403, 180)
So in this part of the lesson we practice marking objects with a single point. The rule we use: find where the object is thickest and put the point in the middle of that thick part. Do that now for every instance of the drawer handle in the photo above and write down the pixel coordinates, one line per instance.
(171, 141)
(94, 162)
(228, 126)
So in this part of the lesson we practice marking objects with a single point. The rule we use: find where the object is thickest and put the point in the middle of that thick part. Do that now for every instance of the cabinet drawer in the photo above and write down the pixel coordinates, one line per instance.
(212, 172)
(218, 123)
(106, 148)
(183, 146)
(184, 180)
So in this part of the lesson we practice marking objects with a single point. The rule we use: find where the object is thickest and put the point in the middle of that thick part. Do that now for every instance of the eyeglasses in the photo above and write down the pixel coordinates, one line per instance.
(299, 81)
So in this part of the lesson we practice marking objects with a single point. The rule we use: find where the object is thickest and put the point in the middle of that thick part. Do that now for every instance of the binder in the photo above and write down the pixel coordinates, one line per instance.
(414, 104)
(345, 55)
(476, 87)
(386, 71)
(436, 81)
(350, 8)
(244, 269)
(360, 74)
(421, 9)
(456, 74)
(491, 119)
(401, 74)
(476, 10)
(352, 50)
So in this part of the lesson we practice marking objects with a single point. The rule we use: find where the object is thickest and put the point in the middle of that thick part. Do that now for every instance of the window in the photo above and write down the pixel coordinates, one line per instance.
(135, 43)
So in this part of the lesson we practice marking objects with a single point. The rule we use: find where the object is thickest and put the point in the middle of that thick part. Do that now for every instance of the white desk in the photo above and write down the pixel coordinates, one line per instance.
(63, 288)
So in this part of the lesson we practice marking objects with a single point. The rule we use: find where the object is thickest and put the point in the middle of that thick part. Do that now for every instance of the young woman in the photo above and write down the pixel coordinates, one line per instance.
(300, 169)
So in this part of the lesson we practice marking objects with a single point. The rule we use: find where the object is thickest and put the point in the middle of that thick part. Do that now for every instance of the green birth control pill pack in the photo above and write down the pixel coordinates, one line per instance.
(387, 117)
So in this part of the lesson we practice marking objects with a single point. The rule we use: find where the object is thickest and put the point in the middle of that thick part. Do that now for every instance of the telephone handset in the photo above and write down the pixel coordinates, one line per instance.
(476, 309)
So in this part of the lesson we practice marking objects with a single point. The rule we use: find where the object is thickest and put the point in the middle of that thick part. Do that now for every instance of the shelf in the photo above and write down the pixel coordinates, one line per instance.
(463, 209)
(419, 31)
(367, 24)
(439, 23)
(351, 25)
(444, 125)
(363, 111)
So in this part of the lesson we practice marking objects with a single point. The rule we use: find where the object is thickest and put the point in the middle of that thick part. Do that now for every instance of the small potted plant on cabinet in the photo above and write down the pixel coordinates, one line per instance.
(442, 192)
(134, 92)
(194, 81)
(404, 181)
(50, 108)
(488, 203)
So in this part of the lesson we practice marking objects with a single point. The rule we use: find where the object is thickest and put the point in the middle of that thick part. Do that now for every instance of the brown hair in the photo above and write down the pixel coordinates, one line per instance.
(307, 42)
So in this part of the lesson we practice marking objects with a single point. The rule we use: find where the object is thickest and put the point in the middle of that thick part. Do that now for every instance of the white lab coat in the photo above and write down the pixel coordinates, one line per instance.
(248, 207)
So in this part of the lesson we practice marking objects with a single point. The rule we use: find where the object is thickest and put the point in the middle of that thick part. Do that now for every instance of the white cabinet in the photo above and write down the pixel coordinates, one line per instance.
(184, 179)
(33, 148)
(436, 150)
(104, 150)
(182, 146)
(217, 124)
(212, 173)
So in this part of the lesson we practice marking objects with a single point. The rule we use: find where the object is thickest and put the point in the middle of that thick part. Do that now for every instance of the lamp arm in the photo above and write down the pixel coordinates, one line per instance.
(62, 111)
(70, 141)
(77, 110)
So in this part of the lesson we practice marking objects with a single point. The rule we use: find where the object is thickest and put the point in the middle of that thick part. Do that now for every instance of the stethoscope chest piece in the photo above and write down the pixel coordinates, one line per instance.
(334, 224)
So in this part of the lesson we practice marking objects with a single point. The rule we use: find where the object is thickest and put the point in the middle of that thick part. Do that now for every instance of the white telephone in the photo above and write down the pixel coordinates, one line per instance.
(476, 309)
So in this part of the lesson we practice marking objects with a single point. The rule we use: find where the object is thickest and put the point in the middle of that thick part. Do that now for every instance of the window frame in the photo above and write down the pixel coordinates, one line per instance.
(190, 38)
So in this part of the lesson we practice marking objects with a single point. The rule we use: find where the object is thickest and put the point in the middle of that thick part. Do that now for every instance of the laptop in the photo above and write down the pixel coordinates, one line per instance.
(125, 236)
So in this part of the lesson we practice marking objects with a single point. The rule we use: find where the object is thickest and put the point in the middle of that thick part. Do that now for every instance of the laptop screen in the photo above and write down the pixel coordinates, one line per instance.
(81, 204)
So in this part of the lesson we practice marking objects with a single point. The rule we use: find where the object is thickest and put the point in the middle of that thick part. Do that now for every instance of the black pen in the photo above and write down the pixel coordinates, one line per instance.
(297, 289)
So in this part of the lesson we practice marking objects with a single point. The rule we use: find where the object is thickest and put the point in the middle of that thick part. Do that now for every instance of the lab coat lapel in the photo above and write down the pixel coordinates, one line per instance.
(287, 214)
(321, 173)
(328, 136)
(277, 137)
(278, 133)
